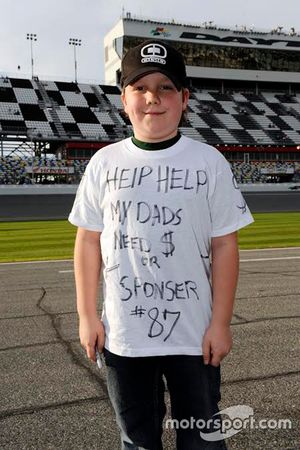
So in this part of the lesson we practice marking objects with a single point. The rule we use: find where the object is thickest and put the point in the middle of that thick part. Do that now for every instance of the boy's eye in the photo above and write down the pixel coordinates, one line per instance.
(166, 87)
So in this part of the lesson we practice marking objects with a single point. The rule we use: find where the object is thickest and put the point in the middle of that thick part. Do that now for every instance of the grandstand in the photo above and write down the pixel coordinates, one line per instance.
(245, 100)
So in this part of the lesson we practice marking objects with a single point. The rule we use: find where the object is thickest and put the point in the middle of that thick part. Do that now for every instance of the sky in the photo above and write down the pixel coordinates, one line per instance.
(55, 21)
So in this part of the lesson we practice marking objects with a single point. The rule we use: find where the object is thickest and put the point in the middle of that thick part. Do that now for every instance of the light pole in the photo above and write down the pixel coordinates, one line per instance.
(75, 43)
(31, 37)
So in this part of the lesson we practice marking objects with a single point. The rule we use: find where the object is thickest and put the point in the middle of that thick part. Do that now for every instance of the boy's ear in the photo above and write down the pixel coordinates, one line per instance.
(123, 99)
(185, 98)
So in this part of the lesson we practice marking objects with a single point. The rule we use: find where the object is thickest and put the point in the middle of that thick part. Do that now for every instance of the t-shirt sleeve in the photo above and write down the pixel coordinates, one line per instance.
(86, 211)
(228, 208)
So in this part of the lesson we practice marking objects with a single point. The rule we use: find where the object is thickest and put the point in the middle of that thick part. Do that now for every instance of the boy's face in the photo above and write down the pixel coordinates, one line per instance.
(154, 107)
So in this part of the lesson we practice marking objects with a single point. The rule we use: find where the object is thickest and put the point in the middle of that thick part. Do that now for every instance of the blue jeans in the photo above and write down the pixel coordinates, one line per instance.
(136, 389)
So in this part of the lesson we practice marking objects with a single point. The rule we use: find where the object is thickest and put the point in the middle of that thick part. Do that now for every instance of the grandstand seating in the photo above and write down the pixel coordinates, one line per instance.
(61, 110)
(249, 119)
(258, 172)
(49, 111)
(13, 169)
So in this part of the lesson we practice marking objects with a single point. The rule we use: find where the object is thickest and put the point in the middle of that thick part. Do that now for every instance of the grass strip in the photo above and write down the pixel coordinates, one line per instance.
(43, 240)
(271, 230)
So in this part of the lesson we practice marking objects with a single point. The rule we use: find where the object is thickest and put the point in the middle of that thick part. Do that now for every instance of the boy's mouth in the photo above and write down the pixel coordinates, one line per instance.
(154, 113)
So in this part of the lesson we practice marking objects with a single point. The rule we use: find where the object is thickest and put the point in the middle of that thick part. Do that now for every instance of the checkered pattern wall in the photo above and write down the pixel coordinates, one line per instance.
(60, 110)
(66, 111)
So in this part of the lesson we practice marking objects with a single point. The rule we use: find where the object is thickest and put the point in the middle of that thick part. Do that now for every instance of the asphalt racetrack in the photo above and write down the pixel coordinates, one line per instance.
(55, 206)
(52, 397)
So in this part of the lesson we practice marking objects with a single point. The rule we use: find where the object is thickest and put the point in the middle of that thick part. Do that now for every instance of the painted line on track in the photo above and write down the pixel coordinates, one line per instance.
(242, 261)
(268, 249)
(270, 259)
(35, 262)
(241, 251)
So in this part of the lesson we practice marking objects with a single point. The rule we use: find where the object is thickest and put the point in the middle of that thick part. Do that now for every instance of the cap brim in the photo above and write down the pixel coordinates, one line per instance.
(143, 71)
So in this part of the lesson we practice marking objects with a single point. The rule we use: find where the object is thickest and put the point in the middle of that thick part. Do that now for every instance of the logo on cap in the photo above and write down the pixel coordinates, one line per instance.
(155, 53)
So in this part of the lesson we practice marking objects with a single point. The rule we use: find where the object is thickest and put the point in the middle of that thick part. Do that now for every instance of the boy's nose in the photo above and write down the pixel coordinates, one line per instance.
(152, 98)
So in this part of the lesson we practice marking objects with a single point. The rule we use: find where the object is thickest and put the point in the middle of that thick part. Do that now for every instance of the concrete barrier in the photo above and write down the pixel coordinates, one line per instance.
(63, 189)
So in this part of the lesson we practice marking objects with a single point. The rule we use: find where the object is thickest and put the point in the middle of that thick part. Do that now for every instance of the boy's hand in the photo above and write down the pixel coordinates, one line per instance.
(217, 343)
(92, 334)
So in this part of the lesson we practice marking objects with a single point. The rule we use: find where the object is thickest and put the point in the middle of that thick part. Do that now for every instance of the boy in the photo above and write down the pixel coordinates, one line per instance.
(154, 210)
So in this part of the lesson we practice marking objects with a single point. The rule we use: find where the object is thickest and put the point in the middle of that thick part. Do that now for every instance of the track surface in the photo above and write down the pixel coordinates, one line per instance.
(43, 207)
(52, 397)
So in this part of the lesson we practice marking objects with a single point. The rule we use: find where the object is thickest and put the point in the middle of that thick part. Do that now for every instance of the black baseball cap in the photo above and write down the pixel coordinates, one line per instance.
(153, 56)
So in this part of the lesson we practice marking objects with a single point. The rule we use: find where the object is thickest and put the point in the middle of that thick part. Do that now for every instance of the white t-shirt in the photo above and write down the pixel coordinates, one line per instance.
(157, 212)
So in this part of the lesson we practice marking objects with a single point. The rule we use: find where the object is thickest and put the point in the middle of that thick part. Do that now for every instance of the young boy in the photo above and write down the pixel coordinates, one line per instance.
(159, 213)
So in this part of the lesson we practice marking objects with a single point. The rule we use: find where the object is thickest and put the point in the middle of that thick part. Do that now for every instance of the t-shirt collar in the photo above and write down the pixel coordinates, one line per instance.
(156, 145)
